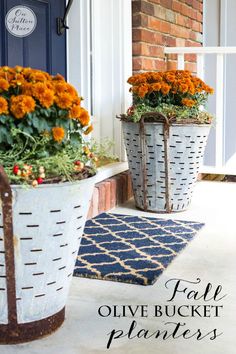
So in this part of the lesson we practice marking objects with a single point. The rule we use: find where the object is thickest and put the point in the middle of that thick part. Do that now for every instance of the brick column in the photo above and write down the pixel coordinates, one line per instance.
(160, 23)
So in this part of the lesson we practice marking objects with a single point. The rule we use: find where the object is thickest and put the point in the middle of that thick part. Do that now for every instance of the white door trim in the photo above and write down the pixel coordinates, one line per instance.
(99, 61)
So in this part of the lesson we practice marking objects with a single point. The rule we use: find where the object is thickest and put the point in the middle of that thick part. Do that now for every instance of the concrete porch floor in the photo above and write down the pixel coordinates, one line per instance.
(211, 256)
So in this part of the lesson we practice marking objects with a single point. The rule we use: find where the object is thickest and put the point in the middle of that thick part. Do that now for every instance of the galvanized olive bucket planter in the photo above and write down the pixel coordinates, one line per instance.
(40, 233)
(164, 161)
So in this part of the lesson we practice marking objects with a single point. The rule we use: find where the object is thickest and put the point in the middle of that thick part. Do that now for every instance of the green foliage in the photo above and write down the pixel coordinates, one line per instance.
(60, 165)
(104, 149)
(38, 124)
(173, 112)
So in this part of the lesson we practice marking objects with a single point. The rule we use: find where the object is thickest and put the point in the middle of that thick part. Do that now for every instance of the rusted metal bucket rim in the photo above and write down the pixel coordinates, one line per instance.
(53, 185)
(171, 124)
(25, 332)
(160, 119)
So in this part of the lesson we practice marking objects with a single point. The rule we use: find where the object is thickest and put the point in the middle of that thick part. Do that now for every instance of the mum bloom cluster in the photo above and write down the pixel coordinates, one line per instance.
(175, 82)
(24, 91)
(42, 126)
(177, 94)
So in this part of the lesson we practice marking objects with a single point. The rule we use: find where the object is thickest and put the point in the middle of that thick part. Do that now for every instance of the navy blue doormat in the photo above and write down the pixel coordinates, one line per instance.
(131, 249)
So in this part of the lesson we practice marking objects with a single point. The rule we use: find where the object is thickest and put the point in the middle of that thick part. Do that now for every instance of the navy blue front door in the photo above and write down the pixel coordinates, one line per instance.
(43, 48)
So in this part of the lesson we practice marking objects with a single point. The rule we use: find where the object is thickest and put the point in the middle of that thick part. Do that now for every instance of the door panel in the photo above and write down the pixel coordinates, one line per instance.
(43, 48)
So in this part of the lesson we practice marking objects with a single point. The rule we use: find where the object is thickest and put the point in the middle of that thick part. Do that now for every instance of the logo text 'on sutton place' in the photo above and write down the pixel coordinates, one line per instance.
(20, 21)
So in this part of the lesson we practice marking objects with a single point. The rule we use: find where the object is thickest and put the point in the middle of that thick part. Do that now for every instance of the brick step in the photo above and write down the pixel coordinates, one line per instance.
(109, 193)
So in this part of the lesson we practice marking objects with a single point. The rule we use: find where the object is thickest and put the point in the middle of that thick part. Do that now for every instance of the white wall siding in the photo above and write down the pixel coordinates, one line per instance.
(100, 61)
(112, 62)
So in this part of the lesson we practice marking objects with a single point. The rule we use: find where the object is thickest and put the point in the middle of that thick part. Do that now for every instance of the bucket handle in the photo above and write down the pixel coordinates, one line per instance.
(159, 118)
(6, 198)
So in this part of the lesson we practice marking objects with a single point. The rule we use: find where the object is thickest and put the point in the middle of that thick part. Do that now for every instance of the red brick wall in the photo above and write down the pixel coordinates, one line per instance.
(160, 23)
(110, 193)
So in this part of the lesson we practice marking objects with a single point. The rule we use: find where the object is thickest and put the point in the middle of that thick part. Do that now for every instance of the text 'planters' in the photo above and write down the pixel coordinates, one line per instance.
(165, 134)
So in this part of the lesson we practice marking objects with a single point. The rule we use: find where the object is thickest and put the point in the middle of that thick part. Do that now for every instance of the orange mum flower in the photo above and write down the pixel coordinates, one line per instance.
(84, 117)
(165, 89)
(60, 87)
(27, 88)
(4, 85)
(142, 90)
(38, 89)
(187, 102)
(36, 75)
(27, 72)
(183, 88)
(3, 106)
(75, 111)
(5, 68)
(18, 69)
(77, 100)
(137, 79)
(170, 78)
(49, 85)
(64, 101)
(58, 77)
(29, 104)
(17, 80)
(58, 134)
(47, 98)
(39, 76)
(21, 105)
(156, 86)
(209, 89)
(17, 111)
(191, 89)
(71, 90)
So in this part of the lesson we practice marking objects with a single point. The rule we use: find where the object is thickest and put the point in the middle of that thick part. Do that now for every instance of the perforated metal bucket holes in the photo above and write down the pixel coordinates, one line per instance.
(48, 222)
(186, 145)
